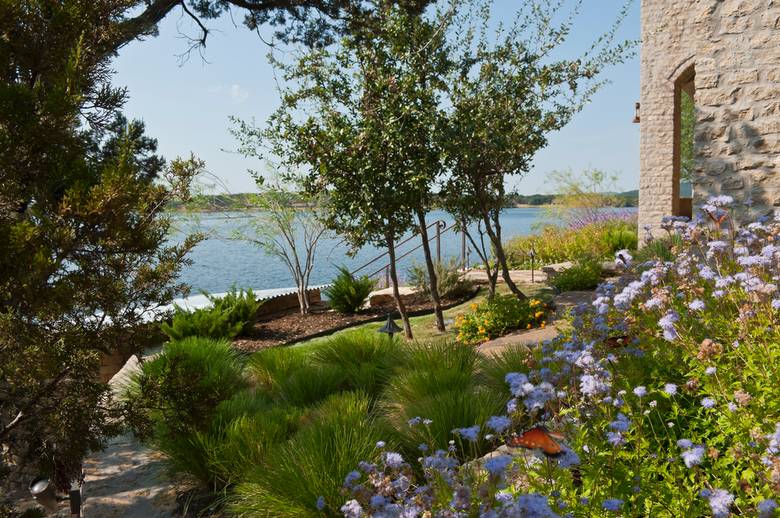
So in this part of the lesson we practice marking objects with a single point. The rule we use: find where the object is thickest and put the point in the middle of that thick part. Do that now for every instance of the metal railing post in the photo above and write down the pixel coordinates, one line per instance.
(438, 241)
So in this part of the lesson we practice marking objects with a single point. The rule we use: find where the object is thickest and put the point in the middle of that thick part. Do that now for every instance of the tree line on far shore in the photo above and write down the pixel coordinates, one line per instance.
(244, 201)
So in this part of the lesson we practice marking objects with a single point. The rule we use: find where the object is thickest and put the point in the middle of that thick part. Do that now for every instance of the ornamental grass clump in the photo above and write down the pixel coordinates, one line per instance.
(497, 315)
(662, 396)
(304, 475)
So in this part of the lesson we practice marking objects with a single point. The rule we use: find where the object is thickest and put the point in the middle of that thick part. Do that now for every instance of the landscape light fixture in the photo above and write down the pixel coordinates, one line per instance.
(390, 327)
(636, 113)
(42, 490)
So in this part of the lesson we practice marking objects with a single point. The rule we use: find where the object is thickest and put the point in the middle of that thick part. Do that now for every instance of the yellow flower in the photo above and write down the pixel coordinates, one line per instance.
(542, 325)
(539, 314)
(528, 326)
(473, 306)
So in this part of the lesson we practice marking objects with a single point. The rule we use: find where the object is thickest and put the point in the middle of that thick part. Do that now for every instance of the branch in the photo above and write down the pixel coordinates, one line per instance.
(203, 28)
(141, 25)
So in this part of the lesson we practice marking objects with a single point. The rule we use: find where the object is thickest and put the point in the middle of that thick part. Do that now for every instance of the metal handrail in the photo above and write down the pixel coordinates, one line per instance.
(441, 227)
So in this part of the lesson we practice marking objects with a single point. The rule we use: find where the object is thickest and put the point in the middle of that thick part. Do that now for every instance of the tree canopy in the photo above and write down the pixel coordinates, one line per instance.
(83, 252)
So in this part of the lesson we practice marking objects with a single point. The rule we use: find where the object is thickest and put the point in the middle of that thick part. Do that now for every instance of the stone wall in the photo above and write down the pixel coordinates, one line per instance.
(729, 51)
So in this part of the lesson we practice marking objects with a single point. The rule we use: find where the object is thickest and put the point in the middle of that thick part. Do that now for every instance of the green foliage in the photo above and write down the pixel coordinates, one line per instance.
(180, 388)
(82, 227)
(582, 275)
(554, 244)
(202, 322)
(438, 381)
(620, 237)
(448, 279)
(497, 315)
(494, 368)
(227, 317)
(313, 462)
(243, 434)
(432, 368)
(348, 293)
(240, 306)
(366, 359)
(687, 137)
(661, 249)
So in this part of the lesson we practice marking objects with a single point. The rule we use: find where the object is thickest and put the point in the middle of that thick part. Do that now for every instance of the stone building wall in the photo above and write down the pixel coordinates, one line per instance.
(728, 53)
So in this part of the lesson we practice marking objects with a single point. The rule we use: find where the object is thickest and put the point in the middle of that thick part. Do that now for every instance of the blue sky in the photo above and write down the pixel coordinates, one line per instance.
(186, 107)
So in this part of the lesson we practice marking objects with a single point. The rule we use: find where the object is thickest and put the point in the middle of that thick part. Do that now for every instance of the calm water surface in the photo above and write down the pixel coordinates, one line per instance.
(219, 263)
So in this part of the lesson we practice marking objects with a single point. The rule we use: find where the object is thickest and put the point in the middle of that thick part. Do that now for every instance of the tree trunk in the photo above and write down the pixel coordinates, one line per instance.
(498, 250)
(397, 294)
(492, 273)
(434, 281)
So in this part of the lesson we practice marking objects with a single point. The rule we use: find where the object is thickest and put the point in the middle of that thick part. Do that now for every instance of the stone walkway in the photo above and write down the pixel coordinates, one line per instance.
(127, 479)
(563, 302)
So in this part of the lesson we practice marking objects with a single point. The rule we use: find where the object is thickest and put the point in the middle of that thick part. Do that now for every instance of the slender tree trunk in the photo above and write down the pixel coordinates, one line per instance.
(434, 281)
(498, 250)
(396, 293)
(492, 273)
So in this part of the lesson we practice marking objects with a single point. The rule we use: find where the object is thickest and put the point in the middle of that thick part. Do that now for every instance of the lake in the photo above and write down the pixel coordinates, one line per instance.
(219, 264)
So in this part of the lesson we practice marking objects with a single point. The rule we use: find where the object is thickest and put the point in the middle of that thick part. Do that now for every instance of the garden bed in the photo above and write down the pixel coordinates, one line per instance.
(288, 327)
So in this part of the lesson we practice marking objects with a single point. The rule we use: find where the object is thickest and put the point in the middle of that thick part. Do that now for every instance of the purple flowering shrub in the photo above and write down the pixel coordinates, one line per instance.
(666, 387)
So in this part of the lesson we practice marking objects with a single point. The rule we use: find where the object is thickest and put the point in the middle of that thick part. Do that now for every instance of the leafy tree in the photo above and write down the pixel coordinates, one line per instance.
(83, 253)
(507, 94)
(287, 224)
(368, 112)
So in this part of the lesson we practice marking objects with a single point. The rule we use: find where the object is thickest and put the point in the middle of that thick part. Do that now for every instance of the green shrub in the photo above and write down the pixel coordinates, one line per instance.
(313, 463)
(439, 382)
(583, 275)
(310, 384)
(173, 399)
(431, 368)
(241, 306)
(555, 244)
(449, 279)
(618, 237)
(348, 293)
(268, 366)
(203, 322)
(228, 317)
(183, 385)
(290, 376)
(495, 316)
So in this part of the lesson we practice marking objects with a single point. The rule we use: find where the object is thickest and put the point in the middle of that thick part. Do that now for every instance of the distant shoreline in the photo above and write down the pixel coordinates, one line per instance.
(243, 202)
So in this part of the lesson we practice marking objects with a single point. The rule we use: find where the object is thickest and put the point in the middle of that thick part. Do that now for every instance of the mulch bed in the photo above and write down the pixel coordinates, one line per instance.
(290, 326)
